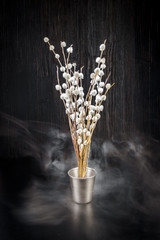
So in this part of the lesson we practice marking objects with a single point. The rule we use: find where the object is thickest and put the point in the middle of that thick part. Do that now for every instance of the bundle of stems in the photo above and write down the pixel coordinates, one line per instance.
(83, 112)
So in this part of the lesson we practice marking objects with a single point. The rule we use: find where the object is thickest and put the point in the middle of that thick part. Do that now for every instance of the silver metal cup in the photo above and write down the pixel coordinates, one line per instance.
(82, 188)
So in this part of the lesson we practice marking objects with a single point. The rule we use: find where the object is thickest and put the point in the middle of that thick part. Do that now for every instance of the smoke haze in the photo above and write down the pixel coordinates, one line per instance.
(35, 158)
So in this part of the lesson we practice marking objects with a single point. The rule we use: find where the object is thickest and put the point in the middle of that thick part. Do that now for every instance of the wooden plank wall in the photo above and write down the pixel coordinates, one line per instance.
(28, 70)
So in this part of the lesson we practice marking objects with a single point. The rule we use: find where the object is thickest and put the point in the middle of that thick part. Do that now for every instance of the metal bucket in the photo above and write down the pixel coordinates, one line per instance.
(82, 188)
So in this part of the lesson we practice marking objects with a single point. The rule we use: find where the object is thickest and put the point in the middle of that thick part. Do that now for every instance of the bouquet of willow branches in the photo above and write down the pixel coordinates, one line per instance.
(83, 111)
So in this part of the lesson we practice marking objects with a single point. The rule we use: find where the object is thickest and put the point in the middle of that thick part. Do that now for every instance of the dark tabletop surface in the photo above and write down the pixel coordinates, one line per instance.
(36, 203)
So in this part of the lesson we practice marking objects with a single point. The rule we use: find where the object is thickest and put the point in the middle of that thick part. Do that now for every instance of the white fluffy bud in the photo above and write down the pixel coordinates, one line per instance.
(80, 88)
(81, 75)
(103, 66)
(67, 104)
(57, 56)
(46, 39)
(79, 131)
(67, 111)
(101, 108)
(100, 90)
(91, 107)
(96, 70)
(98, 59)
(93, 92)
(51, 47)
(88, 133)
(91, 112)
(69, 66)
(97, 108)
(63, 96)
(108, 85)
(98, 79)
(62, 69)
(76, 74)
(68, 91)
(72, 88)
(86, 103)
(81, 94)
(63, 44)
(98, 116)
(58, 87)
(79, 102)
(81, 147)
(89, 117)
(72, 116)
(84, 130)
(101, 73)
(102, 47)
(103, 97)
(70, 50)
(103, 60)
(92, 76)
(101, 84)
(78, 120)
(98, 98)
(75, 82)
(76, 92)
(64, 75)
(94, 118)
(71, 79)
(64, 85)
(67, 76)
(79, 141)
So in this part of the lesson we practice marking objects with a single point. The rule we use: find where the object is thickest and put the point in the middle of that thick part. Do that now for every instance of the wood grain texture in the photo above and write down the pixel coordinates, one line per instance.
(28, 70)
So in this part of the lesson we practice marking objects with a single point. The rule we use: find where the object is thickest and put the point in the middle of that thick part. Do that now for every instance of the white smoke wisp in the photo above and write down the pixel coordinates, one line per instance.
(129, 177)
(127, 182)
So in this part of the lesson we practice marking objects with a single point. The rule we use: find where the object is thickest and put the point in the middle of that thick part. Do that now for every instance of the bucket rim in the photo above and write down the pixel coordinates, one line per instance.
(90, 169)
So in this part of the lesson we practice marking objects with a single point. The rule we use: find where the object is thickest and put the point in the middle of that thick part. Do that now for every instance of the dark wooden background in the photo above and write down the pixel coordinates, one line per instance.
(28, 70)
